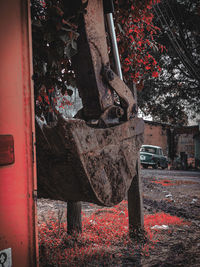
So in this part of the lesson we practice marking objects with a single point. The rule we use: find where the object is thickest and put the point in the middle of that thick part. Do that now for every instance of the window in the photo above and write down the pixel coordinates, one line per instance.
(151, 150)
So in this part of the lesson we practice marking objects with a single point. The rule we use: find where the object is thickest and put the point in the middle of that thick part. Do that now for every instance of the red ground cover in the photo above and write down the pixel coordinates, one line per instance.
(105, 235)
(165, 182)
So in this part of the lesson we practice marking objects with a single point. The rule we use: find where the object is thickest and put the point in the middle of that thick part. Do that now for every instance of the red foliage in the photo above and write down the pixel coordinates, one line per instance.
(155, 74)
(162, 218)
(105, 233)
(49, 102)
(136, 39)
(165, 182)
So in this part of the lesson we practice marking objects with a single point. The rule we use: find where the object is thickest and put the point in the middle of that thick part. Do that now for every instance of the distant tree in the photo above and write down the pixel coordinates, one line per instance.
(175, 94)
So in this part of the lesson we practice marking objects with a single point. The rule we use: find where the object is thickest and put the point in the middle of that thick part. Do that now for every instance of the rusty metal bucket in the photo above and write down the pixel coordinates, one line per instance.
(80, 163)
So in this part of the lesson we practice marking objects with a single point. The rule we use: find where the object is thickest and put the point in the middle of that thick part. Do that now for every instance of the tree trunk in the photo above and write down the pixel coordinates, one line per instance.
(74, 223)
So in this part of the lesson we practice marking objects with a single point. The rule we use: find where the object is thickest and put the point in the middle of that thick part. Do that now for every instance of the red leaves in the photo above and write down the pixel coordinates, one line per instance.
(132, 39)
(137, 40)
(137, 75)
(165, 182)
(155, 74)
(105, 232)
(126, 68)
(127, 61)
(47, 99)
(148, 67)
(136, 29)
(154, 62)
(43, 3)
(162, 218)
(51, 90)
(39, 99)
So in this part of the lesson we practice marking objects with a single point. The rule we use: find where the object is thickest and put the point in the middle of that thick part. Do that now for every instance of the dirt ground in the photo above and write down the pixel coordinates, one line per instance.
(177, 244)
(181, 246)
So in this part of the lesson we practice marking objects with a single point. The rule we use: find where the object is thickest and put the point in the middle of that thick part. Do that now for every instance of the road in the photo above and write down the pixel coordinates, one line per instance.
(173, 174)
(174, 193)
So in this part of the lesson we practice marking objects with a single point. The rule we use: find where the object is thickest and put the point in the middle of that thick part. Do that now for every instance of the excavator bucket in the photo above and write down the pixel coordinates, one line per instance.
(79, 162)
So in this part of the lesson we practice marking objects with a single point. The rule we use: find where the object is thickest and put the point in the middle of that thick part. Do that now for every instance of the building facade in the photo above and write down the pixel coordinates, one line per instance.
(177, 142)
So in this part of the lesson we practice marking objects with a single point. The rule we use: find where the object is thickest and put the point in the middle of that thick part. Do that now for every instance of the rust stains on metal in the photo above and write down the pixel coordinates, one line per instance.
(81, 163)
(96, 80)
(121, 89)
(92, 53)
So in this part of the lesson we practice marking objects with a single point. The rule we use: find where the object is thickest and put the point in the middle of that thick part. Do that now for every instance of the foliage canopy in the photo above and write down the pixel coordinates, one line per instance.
(175, 94)
(159, 52)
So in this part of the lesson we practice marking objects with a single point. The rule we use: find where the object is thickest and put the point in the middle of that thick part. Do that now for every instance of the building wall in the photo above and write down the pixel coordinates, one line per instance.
(174, 140)
(197, 150)
(156, 134)
(197, 147)
(182, 141)
(185, 143)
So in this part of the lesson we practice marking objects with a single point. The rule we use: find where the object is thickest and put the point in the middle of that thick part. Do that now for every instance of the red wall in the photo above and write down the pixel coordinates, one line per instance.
(18, 180)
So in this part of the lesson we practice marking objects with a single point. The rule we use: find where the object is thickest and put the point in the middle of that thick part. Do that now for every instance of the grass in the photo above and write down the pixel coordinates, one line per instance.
(105, 238)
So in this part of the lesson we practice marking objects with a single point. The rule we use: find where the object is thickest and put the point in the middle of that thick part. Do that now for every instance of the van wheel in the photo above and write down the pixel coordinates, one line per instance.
(145, 166)
(155, 166)
(165, 167)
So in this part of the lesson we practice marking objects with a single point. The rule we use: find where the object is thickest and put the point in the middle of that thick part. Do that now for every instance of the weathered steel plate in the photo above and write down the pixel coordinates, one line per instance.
(78, 162)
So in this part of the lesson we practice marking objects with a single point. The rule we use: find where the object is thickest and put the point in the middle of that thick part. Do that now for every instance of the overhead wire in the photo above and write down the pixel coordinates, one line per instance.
(179, 50)
(184, 59)
(174, 17)
(181, 33)
(173, 44)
